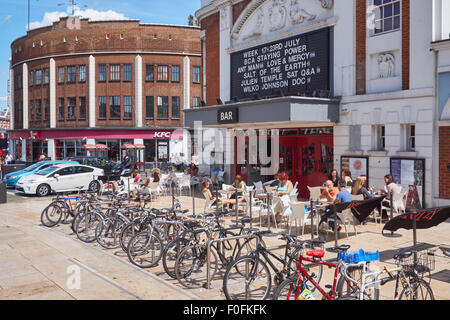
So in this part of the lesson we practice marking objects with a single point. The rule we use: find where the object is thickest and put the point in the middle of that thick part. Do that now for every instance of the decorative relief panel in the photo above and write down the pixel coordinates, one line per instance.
(263, 17)
(386, 65)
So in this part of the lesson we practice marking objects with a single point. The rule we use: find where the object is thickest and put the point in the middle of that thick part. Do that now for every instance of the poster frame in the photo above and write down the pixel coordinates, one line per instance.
(424, 173)
(358, 157)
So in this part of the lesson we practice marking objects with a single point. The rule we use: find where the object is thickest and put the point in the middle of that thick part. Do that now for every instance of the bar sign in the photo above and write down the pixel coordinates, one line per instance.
(228, 115)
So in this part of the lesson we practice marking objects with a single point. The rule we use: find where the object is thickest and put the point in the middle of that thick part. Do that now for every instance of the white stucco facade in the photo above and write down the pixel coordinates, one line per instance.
(385, 102)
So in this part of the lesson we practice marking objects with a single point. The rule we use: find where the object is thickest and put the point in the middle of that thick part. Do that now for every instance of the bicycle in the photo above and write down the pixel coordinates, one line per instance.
(249, 277)
(408, 276)
(303, 281)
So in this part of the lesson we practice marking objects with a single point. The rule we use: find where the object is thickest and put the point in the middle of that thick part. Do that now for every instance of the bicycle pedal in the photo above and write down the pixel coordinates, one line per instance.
(328, 286)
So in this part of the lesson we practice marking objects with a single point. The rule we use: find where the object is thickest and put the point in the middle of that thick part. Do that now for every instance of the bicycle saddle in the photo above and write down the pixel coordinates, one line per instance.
(403, 255)
(316, 253)
(342, 248)
(191, 224)
(287, 237)
(245, 220)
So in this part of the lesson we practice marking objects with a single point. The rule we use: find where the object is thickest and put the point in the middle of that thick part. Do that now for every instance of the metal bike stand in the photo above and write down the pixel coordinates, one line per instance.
(208, 254)
(217, 199)
(312, 219)
(392, 208)
(193, 196)
(335, 226)
(269, 208)
(172, 184)
(237, 206)
(250, 204)
(414, 217)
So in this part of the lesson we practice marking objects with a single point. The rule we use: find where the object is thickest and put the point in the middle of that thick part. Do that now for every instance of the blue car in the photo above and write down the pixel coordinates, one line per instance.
(13, 177)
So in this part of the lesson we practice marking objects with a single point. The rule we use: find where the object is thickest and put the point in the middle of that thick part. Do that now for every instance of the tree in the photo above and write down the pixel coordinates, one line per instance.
(191, 20)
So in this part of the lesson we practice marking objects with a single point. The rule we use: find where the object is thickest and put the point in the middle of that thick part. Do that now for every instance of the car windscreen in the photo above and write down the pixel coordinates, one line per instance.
(46, 171)
(33, 167)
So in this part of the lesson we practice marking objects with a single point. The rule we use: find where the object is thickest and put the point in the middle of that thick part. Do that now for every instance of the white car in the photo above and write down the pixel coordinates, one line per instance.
(61, 178)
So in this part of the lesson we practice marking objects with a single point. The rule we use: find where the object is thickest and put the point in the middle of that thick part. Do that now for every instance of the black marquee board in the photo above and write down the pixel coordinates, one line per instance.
(295, 65)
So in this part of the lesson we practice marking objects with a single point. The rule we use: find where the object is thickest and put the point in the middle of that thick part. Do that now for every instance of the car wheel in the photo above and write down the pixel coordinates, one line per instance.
(43, 190)
(94, 186)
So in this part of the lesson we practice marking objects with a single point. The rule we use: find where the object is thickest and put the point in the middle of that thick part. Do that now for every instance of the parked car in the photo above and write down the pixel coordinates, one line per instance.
(13, 177)
(61, 178)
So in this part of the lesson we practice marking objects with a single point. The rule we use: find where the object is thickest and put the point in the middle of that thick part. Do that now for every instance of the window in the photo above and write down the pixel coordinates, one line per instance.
(149, 107)
(411, 136)
(102, 108)
(32, 110)
(82, 74)
(38, 77)
(163, 107)
(175, 73)
(71, 74)
(46, 110)
(196, 102)
(61, 75)
(114, 72)
(163, 73)
(71, 109)
(387, 15)
(149, 72)
(82, 108)
(38, 110)
(61, 109)
(66, 171)
(102, 72)
(127, 107)
(175, 107)
(114, 107)
(196, 75)
(46, 76)
(19, 83)
(31, 78)
(127, 73)
(380, 135)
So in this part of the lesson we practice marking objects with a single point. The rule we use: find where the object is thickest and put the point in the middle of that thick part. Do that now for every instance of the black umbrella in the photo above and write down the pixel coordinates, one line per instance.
(360, 209)
(425, 219)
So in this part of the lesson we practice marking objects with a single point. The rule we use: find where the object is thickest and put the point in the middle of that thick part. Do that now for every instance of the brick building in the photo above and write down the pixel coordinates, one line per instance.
(347, 84)
(104, 82)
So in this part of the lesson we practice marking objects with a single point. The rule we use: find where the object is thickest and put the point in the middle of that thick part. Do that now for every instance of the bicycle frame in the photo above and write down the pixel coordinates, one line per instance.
(302, 273)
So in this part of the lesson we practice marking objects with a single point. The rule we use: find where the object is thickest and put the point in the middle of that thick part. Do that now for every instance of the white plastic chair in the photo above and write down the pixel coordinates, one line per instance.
(259, 186)
(208, 203)
(314, 193)
(399, 204)
(154, 189)
(255, 205)
(184, 182)
(298, 213)
(347, 218)
(270, 211)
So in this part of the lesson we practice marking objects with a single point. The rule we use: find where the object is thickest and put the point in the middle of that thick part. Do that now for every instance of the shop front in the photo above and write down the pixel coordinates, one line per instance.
(63, 144)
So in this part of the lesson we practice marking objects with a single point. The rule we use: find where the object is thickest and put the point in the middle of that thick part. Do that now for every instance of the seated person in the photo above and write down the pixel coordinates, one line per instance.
(330, 192)
(390, 187)
(142, 190)
(241, 187)
(156, 176)
(344, 195)
(206, 191)
(347, 177)
(360, 189)
(284, 190)
(136, 176)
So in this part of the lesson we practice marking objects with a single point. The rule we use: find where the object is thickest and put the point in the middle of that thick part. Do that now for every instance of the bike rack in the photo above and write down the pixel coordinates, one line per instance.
(208, 253)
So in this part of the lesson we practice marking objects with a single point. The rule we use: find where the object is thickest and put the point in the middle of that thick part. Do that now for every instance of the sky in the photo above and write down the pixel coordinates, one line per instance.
(14, 19)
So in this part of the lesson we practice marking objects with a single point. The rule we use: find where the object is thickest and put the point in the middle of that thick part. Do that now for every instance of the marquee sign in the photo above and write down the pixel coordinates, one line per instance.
(296, 65)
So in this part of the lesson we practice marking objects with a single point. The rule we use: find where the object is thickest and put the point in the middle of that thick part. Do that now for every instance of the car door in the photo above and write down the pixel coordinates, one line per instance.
(63, 180)
(82, 177)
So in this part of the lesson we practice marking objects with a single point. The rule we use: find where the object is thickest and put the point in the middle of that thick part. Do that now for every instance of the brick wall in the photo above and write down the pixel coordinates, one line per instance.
(238, 8)
(360, 47)
(444, 162)
(405, 43)
(212, 56)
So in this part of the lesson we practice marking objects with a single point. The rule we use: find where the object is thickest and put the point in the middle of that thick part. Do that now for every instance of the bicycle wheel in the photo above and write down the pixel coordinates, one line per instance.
(145, 249)
(249, 245)
(228, 249)
(129, 231)
(86, 226)
(108, 232)
(347, 288)
(191, 266)
(247, 278)
(287, 290)
(171, 253)
(51, 215)
(418, 290)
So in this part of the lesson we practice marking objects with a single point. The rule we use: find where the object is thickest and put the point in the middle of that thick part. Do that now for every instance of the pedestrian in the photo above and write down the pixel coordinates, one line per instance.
(9, 158)
(42, 157)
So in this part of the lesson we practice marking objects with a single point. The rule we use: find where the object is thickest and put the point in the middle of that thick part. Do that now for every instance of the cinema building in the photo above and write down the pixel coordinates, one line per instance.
(107, 82)
(347, 84)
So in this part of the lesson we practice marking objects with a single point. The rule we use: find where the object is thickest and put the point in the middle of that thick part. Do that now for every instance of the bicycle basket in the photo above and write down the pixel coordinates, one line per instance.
(361, 256)
(425, 262)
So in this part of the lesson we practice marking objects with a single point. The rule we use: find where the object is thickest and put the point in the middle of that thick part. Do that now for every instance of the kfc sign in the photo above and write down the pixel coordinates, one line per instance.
(162, 135)
(34, 135)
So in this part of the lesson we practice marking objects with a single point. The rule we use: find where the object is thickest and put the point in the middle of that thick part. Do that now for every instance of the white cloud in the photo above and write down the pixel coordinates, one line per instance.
(93, 15)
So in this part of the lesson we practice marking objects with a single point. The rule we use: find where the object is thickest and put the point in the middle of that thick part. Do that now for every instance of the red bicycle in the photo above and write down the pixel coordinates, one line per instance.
(302, 285)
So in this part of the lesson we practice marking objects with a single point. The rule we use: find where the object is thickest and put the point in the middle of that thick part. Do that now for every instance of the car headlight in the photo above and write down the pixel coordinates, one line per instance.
(13, 177)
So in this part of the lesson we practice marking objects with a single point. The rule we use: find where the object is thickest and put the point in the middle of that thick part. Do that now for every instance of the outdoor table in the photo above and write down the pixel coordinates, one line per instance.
(268, 197)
